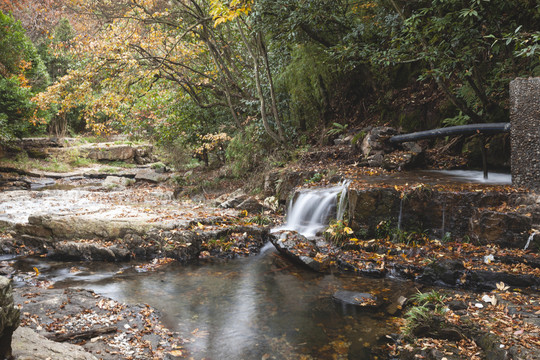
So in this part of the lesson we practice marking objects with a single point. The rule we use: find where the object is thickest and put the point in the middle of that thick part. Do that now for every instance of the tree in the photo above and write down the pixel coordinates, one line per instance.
(454, 39)
(22, 73)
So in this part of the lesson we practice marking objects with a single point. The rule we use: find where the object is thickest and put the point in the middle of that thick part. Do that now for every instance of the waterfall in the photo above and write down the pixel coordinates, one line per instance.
(531, 238)
(443, 220)
(400, 216)
(312, 209)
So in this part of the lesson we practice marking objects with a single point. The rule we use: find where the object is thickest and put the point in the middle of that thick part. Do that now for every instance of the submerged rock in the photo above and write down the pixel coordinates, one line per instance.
(356, 298)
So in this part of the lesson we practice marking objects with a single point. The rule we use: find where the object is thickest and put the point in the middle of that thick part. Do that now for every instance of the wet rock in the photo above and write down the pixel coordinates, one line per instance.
(355, 298)
(452, 273)
(444, 273)
(75, 310)
(396, 307)
(457, 305)
(71, 250)
(300, 250)
(12, 184)
(504, 229)
(437, 327)
(6, 269)
(368, 207)
(88, 226)
(525, 120)
(29, 345)
(486, 280)
(9, 317)
(422, 207)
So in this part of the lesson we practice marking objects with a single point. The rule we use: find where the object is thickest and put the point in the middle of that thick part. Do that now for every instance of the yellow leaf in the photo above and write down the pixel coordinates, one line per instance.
(36, 270)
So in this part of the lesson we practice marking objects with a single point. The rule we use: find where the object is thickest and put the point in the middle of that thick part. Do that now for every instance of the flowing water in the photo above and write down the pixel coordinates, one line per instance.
(250, 307)
(244, 308)
(310, 210)
(434, 177)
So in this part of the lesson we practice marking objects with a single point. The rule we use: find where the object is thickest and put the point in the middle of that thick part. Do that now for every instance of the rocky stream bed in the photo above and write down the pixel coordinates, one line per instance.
(84, 218)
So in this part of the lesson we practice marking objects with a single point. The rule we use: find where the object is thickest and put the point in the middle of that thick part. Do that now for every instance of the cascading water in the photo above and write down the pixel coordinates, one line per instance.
(531, 238)
(400, 216)
(311, 210)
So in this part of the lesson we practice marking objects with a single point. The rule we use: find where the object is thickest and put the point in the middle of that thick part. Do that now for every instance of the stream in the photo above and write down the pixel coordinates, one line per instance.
(243, 308)
(246, 308)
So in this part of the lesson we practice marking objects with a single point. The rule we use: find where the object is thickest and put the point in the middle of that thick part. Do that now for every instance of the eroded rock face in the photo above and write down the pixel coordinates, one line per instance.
(505, 229)
(9, 317)
(112, 153)
(463, 214)
(368, 207)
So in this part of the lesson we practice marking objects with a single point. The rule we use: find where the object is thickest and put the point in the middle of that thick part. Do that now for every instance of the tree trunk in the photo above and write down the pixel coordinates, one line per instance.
(275, 136)
(275, 110)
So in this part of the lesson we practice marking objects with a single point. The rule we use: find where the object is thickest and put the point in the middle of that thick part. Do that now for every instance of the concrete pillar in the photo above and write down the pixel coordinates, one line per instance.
(525, 132)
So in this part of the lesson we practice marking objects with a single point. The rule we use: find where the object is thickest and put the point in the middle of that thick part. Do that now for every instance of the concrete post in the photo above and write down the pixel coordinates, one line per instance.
(525, 132)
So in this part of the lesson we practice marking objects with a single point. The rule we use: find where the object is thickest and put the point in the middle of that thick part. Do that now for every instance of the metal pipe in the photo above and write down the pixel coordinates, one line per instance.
(472, 129)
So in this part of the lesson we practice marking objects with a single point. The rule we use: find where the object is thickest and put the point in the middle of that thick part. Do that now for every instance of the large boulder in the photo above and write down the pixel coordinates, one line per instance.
(112, 182)
(112, 153)
(102, 225)
(151, 175)
(140, 154)
(29, 345)
(9, 317)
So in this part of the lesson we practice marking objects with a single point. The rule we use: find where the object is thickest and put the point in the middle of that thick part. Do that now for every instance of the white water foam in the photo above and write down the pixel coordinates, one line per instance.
(311, 210)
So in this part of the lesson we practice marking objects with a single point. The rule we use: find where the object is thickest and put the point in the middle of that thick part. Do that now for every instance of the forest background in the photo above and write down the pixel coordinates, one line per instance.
(250, 82)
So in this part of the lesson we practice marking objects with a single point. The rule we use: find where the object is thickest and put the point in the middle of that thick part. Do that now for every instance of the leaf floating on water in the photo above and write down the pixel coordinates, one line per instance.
(36, 270)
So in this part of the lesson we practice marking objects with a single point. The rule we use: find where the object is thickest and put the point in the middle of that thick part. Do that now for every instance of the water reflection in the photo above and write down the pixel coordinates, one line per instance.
(245, 308)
